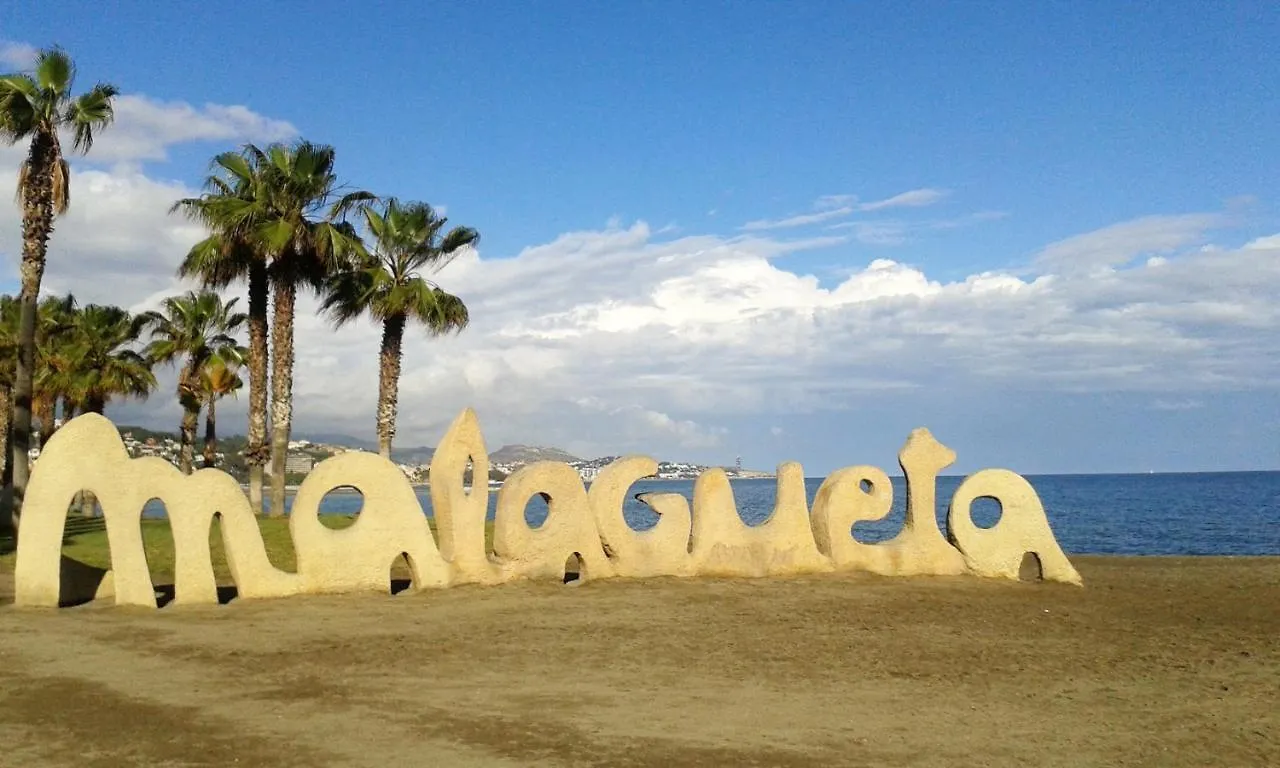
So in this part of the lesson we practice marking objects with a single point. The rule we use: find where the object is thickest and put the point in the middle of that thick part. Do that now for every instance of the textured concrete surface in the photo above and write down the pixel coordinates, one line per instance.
(708, 540)
(1023, 528)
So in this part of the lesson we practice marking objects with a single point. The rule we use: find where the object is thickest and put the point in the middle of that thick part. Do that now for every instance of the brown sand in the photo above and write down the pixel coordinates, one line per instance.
(1157, 661)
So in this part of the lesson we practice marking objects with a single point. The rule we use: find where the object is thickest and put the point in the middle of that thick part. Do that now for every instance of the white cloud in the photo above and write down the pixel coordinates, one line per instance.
(1120, 243)
(916, 198)
(801, 220)
(18, 56)
(897, 232)
(878, 232)
(145, 128)
(831, 207)
(1264, 243)
(617, 340)
(119, 220)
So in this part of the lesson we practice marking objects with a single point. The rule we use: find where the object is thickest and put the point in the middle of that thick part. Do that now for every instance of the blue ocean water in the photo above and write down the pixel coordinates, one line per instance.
(1221, 513)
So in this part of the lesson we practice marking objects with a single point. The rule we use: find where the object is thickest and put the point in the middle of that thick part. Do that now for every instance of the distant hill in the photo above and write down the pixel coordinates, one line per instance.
(525, 454)
(419, 455)
(334, 438)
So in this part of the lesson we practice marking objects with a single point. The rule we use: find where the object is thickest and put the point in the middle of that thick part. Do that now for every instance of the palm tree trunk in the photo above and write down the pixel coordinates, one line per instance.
(6, 422)
(281, 390)
(210, 433)
(186, 457)
(256, 452)
(46, 411)
(37, 225)
(389, 381)
(190, 416)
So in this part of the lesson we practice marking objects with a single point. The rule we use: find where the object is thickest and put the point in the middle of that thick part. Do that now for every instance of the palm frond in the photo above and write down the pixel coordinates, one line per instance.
(90, 111)
(19, 118)
(55, 72)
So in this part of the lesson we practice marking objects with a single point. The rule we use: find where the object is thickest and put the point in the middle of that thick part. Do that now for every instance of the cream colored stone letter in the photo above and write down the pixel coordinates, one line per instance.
(460, 516)
(841, 502)
(663, 550)
(570, 526)
(360, 556)
(920, 548)
(723, 545)
(1023, 528)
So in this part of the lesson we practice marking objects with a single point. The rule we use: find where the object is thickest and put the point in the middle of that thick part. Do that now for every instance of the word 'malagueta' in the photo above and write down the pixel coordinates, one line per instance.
(705, 538)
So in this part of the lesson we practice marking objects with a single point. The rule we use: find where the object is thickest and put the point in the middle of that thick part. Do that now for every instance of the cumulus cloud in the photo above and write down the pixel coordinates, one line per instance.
(1264, 243)
(119, 220)
(615, 340)
(145, 128)
(667, 338)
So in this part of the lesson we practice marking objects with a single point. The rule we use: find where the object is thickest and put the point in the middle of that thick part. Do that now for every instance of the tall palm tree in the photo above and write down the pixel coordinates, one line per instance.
(218, 378)
(196, 326)
(280, 207)
(405, 239)
(305, 239)
(34, 107)
(231, 207)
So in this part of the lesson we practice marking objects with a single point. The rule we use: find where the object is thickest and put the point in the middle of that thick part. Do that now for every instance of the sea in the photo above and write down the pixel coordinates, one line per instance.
(1218, 513)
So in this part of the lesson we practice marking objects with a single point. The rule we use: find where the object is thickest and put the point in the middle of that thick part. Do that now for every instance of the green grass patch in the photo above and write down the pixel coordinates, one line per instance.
(85, 539)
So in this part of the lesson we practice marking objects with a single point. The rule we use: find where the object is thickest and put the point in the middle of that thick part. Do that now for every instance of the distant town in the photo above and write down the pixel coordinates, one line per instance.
(304, 454)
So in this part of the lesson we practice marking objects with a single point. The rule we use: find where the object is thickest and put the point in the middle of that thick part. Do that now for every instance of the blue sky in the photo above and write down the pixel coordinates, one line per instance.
(951, 139)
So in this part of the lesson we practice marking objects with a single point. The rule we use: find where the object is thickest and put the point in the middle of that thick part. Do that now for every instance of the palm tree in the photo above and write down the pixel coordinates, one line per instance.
(306, 241)
(102, 358)
(196, 327)
(388, 286)
(218, 378)
(230, 208)
(281, 208)
(98, 362)
(35, 107)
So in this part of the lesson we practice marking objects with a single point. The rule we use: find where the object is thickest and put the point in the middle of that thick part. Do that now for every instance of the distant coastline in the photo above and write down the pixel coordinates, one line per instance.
(496, 487)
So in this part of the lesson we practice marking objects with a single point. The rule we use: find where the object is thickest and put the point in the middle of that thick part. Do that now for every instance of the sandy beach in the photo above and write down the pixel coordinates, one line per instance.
(1157, 661)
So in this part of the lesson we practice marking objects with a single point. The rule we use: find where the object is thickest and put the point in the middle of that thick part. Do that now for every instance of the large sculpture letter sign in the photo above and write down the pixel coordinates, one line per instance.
(705, 538)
